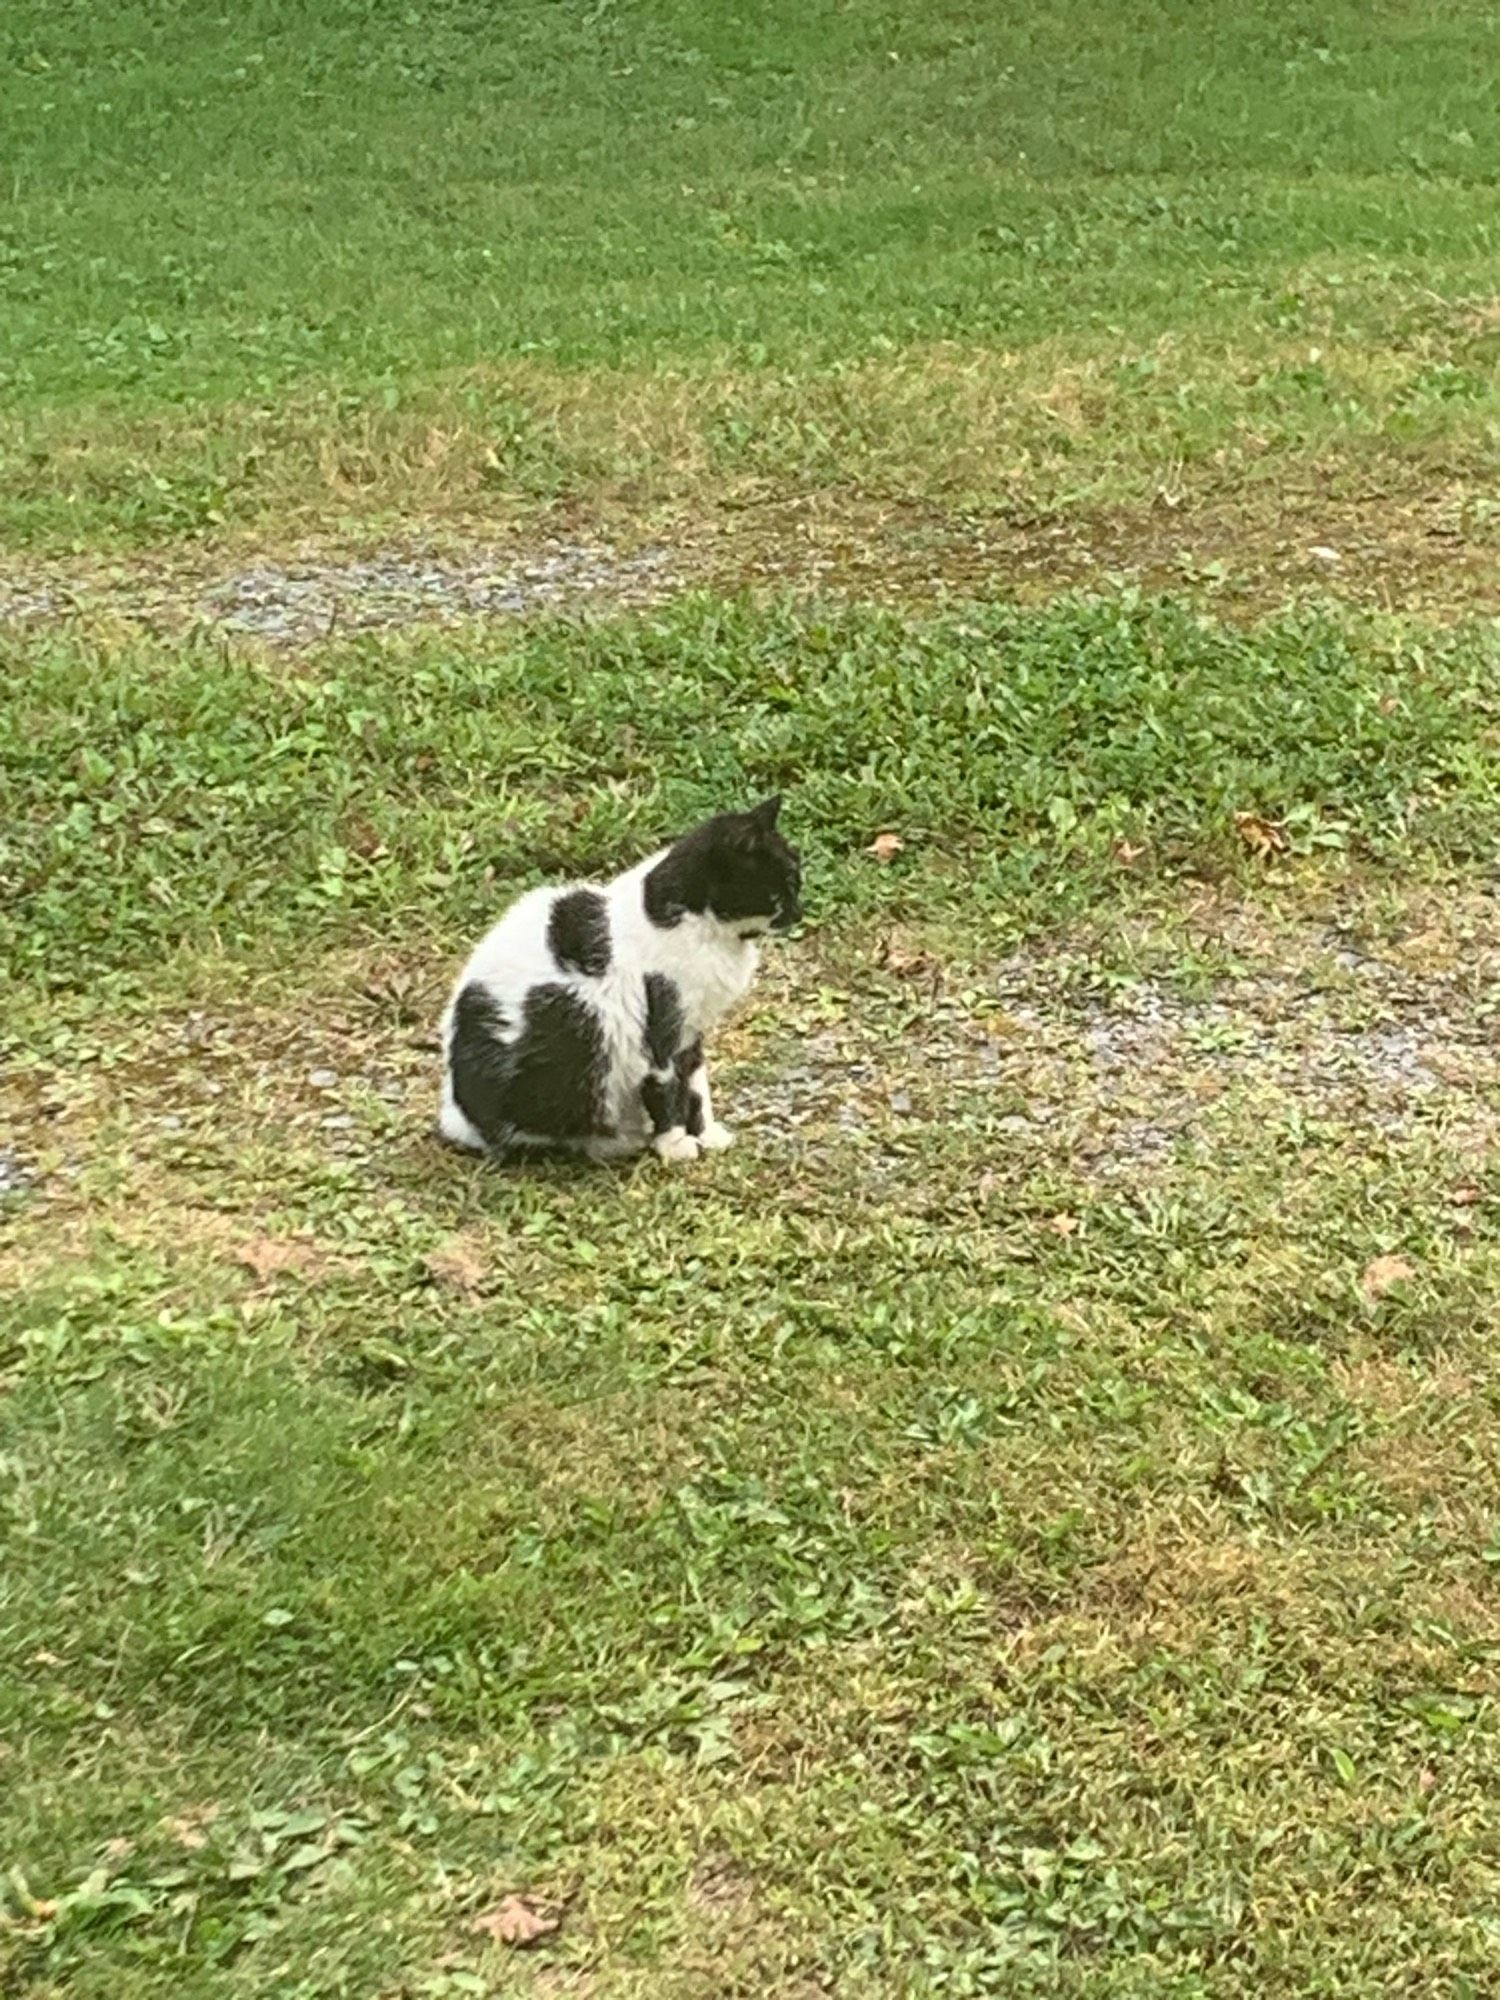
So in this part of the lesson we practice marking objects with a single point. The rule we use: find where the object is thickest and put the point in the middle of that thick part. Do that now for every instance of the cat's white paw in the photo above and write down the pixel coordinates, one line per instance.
(715, 1138)
(676, 1148)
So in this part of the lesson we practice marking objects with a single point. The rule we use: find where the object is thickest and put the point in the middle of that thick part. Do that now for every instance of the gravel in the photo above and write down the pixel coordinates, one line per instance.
(299, 601)
(1109, 1084)
(295, 604)
(1122, 1081)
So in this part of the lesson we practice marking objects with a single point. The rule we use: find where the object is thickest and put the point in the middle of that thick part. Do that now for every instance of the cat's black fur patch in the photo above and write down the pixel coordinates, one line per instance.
(548, 1082)
(666, 890)
(560, 1065)
(736, 866)
(578, 933)
(663, 1019)
(689, 1062)
(480, 1061)
(663, 1098)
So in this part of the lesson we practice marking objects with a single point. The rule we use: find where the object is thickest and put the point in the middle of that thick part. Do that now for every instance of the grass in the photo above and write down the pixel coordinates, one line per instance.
(641, 258)
(199, 800)
(1022, 1523)
(991, 1533)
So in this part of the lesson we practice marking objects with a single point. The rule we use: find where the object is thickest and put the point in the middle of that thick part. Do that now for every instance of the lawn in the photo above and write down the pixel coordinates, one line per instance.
(369, 263)
(1025, 1521)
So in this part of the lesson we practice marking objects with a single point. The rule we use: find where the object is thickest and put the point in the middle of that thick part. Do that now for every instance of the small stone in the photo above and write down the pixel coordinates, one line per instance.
(901, 1101)
(322, 1079)
(338, 1121)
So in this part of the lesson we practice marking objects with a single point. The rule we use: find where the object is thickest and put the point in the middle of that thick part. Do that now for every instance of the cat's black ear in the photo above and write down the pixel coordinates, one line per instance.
(763, 818)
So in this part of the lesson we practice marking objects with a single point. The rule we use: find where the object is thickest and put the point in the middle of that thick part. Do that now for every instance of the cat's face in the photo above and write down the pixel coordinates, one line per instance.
(752, 876)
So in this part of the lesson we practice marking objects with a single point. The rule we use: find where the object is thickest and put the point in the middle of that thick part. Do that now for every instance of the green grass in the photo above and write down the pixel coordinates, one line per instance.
(640, 181)
(190, 799)
(1024, 1522)
(983, 1535)
(331, 263)
(1020, 1626)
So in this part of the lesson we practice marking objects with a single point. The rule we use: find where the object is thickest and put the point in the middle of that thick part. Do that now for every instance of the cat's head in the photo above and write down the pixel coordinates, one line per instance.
(737, 867)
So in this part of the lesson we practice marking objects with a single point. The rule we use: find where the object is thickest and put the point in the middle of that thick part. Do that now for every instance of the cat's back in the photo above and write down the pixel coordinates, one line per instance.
(560, 933)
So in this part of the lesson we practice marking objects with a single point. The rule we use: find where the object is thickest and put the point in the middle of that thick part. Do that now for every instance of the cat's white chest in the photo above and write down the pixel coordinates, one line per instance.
(712, 977)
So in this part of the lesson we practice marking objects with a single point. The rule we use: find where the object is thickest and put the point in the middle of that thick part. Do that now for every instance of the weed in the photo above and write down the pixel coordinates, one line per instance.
(200, 798)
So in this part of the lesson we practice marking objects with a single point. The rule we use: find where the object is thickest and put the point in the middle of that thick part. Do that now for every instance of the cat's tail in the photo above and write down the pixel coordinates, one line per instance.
(506, 1146)
(455, 1126)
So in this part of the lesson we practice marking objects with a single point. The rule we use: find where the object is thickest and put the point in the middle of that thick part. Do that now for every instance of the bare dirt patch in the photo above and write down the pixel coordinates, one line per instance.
(1244, 552)
(1028, 1063)
(1319, 1023)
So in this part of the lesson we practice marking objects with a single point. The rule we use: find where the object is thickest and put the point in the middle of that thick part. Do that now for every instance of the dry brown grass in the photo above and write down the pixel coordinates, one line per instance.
(944, 469)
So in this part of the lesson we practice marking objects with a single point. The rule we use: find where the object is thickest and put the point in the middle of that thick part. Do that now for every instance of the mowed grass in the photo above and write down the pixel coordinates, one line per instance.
(1022, 1523)
(165, 799)
(335, 267)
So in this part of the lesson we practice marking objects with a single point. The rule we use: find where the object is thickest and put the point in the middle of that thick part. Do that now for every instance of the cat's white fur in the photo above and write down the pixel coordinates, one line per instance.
(711, 964)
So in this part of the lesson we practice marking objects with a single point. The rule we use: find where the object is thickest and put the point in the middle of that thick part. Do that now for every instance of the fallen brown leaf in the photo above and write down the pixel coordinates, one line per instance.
(394, 989)
(886, 846)
(516, 1921)
(906, 964)
(1264, 837)
(1000, 1026)
(1062, 1225)
(1383, 1272)
(1127, 853)
(717, 1886)
(270, 1256)
(1464, 1197)
(365, 841)
(459, 1264)
(190, 1829)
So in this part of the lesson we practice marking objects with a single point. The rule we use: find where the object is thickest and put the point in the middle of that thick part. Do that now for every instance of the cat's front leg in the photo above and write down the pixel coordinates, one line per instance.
(663, 1093)
(692, 1068)
(666, 1104)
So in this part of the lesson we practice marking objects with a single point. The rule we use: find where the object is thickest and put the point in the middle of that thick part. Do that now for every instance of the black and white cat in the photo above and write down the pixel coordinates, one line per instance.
(578, 1023)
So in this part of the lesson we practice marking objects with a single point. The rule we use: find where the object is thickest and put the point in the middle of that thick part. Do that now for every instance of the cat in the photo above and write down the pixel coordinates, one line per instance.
(578, 1023)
